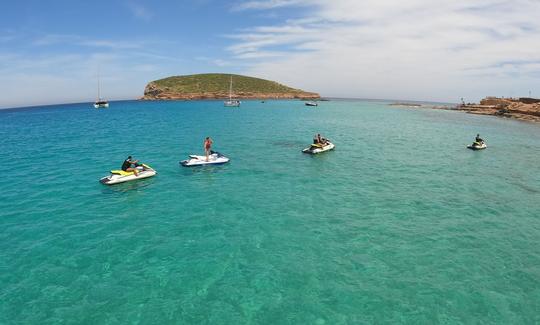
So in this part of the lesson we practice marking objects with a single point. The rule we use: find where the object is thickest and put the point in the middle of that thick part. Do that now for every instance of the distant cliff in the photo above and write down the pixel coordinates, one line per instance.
(216, 86)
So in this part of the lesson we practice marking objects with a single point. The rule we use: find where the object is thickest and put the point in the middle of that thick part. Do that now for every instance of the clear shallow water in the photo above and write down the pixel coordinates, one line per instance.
(400, 224)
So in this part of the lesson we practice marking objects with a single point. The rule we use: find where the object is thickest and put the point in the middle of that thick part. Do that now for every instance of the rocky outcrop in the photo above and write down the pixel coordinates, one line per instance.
(527, 109)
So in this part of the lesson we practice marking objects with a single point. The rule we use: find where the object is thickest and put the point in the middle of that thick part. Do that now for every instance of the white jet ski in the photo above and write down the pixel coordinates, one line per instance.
(120, 176)
(316, 148)
(215, 158)
(477, 146)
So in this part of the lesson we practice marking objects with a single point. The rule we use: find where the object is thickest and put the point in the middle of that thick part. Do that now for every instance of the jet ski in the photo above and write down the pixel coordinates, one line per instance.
(120, 176)
(215, 158)
(477, 145)
(316, 148)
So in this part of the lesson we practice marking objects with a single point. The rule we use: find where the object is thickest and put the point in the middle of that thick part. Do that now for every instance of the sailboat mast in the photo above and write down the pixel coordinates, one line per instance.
(98, 87)
(230, 90)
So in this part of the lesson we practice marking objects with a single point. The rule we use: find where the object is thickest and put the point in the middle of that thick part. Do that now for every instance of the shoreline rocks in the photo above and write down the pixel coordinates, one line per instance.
(524, 109)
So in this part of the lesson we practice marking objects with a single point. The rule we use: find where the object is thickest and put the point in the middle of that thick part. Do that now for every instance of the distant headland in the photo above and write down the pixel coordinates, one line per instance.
(524, 108)
(216, 86)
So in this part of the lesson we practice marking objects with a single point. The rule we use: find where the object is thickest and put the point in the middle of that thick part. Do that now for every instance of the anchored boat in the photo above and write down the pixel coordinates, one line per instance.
(231, 102)
(100, 102)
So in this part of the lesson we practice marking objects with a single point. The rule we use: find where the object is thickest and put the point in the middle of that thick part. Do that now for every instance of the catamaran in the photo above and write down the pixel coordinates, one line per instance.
(231, 102)
(100, 102)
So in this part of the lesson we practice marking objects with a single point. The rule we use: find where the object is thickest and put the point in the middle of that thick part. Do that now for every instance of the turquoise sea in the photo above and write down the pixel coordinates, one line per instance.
(401, 224)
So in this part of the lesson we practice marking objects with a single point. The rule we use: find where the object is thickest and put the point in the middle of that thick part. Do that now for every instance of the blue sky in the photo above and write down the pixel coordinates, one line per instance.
(51, 51)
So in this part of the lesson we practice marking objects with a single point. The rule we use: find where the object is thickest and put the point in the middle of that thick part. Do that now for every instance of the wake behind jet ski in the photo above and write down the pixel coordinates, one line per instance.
(319, 145)
(120, 176)
(214, 158)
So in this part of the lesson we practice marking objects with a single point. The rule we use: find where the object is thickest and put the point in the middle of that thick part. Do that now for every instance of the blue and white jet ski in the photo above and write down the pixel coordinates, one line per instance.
(215, 158)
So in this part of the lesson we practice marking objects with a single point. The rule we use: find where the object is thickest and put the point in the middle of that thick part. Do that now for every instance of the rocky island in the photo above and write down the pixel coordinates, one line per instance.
(216, 86)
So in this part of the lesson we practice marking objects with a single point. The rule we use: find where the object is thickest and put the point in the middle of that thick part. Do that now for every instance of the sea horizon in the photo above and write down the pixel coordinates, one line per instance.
(90, 103)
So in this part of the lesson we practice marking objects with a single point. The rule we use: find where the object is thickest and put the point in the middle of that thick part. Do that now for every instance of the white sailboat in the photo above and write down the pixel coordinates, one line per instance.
(100, 102)
(231, 102)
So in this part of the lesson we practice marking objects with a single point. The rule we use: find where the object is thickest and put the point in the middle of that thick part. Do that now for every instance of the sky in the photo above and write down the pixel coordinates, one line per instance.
(52, 51)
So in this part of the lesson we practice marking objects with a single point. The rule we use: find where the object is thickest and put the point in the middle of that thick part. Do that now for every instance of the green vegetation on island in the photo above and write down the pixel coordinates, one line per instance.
(217, 85)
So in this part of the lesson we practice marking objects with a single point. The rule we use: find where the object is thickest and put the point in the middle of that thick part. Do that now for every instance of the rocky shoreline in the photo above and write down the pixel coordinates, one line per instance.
(524, 109)
(206, 96)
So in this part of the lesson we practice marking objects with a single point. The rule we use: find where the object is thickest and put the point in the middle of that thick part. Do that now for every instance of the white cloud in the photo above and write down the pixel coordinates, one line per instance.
(267, 4)
(34, 79)
(140, 12)
(76, 40)
(418, 49)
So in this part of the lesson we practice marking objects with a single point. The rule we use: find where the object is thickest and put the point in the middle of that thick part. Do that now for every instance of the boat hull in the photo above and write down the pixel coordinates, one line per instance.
(476, 146)
(231, 103)
(117, 177)
(313, 150)
(213, 159)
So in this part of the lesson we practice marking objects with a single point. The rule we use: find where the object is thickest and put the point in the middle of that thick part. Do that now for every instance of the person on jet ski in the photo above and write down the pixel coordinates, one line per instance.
(130, 165)
(207, 147)
(320, 140)
(478, 139)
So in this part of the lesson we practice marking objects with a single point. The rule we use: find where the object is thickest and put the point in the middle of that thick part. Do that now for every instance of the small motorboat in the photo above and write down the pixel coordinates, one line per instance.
(311, 103)
(215, 158)
(477, 145)
(120, 176)
(316, 148)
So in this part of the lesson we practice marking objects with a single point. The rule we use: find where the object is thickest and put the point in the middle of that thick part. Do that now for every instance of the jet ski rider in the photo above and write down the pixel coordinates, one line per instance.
(478, 139)
(207, 146)
(130, 165)
(320, 140)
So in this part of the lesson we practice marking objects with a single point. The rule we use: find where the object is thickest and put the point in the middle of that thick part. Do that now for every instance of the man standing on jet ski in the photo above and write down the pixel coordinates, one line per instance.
(130, 165)
(207, 146)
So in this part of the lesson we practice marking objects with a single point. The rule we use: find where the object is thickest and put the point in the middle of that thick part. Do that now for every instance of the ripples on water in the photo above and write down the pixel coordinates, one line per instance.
(399, 224)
